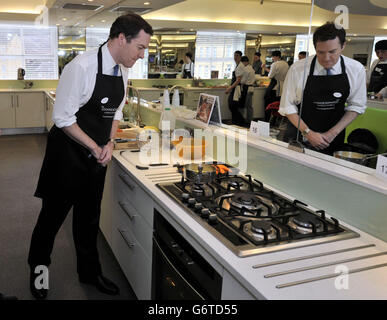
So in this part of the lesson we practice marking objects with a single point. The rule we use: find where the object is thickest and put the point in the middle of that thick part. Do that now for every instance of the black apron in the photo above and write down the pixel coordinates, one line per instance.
(68, 168)
(378, 78)
(323, 105)
(187, 72)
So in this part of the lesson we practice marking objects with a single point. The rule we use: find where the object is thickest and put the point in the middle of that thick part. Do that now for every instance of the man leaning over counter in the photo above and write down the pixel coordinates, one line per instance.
(333, 96)
(89, 100)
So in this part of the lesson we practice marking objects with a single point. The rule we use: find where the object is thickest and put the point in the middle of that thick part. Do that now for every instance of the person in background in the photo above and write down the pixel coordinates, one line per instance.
(88, 108)
(257, 63)
(234, 90)
(180, 66)
(378, 71)
(301, 55)
(247, 81)
(277, 74)
(382, 94)
(188, 67)
(333, 96)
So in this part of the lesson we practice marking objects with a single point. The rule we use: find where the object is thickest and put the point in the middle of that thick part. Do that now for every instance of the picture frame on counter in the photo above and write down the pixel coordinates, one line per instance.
(208, 109)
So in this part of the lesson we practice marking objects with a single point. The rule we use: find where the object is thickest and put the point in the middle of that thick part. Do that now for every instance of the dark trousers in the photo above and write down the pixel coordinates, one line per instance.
(236, 115)
(86, 213)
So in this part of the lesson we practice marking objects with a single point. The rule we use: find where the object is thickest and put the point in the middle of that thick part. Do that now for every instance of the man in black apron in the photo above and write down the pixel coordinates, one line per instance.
(324, 115)
(74, 167)
(188, 66)
(233, 105)
(378, 78)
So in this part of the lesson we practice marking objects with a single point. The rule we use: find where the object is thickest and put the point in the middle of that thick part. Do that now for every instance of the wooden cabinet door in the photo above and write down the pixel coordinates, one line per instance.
(30, 110)
(7, 110)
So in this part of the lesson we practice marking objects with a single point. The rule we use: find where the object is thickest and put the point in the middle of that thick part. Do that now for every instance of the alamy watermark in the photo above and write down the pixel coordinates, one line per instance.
(342, 280)
(41, 281)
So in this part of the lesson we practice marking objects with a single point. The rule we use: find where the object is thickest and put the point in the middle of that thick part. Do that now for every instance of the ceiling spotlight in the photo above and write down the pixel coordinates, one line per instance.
(103, 20)
(64, 19)
(147, 3)
(279, 32)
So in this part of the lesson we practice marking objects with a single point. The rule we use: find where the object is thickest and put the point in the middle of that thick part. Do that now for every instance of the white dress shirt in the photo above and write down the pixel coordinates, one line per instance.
(278, 71)
(373, 65)
(248, 76)
(76, 85)
(293, 86)
(189, 67)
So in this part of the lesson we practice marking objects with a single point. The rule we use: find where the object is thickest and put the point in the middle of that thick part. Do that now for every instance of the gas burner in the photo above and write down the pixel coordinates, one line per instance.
(256, 229)
(304, 222)
(256, 205)
(261, 227)
(234, 183)
(199, 190)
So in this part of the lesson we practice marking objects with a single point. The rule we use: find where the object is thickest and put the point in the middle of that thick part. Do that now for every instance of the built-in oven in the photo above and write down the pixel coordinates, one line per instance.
(178, 270)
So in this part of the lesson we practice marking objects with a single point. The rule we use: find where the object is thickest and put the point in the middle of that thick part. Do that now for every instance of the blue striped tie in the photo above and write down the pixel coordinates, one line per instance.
(329, 71)
(115, 70)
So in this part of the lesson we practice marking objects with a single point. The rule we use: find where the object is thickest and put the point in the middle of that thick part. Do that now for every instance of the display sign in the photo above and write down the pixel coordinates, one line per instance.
(208, 109)
(381, 167)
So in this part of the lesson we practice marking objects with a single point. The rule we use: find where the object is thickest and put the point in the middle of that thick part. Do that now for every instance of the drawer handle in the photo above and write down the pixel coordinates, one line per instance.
(123, 207)
(128, 243)
(126, 182)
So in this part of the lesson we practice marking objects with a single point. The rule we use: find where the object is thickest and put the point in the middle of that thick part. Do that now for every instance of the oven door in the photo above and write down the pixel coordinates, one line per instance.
(168, 282)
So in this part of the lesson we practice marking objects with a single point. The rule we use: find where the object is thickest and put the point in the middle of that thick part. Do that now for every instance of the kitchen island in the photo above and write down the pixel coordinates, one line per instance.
(131, 202)
(131, 199)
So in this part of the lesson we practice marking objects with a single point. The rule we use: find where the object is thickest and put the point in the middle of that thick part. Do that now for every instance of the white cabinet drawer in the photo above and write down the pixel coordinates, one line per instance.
(135, 264)
(128, 217)
(138, 197)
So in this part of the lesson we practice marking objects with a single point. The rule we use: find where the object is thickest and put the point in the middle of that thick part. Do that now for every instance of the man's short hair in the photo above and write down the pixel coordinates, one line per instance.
(189, 55)
(276, 53)
(238, 52)
(302, 53)
(381, 45)
(327, 32)
(258, 54)
(244, 59)
(130, 25)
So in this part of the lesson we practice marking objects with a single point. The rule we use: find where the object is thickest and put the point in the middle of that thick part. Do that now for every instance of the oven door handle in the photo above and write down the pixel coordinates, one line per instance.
(173, 267)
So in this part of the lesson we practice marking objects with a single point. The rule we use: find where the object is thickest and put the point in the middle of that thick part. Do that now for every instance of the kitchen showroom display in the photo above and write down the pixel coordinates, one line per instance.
(250, 218)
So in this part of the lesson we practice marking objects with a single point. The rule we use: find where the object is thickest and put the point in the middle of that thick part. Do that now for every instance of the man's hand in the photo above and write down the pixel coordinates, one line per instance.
(328, 136)
(106, 154)
(228, 90)
(317, 140)
(96, 152)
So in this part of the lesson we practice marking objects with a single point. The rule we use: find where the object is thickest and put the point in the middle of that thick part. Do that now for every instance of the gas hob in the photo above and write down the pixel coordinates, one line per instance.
(250, 218)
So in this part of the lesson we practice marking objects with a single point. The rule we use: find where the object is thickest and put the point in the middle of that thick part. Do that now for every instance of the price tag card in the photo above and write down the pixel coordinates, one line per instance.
(381, 167)
(254, 128)
(264, 128)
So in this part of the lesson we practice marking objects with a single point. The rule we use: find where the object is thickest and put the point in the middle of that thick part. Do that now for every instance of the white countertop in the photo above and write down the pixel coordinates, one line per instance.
(370, 284)
(25, 90)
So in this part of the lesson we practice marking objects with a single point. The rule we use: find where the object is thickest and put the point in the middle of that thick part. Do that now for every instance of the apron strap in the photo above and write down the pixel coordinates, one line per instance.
(100, 57)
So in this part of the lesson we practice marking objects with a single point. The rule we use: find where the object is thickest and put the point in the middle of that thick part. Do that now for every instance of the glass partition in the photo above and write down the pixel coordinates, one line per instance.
(355, 129)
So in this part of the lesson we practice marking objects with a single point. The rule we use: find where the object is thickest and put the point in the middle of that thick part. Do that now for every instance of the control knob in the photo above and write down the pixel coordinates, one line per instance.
(198, 206)
(212, 218)
(191, 202)
(205, 213)
(185, 197)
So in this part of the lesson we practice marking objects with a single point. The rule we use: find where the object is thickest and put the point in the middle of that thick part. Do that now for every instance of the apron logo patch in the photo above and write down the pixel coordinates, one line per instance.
(337, 95)
(104, 100)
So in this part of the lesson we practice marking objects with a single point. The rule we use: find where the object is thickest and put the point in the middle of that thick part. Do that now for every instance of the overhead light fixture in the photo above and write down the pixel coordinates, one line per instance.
(279, 32)
(64, 19)
(103, 21)
(147, 3)
(92, 25)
